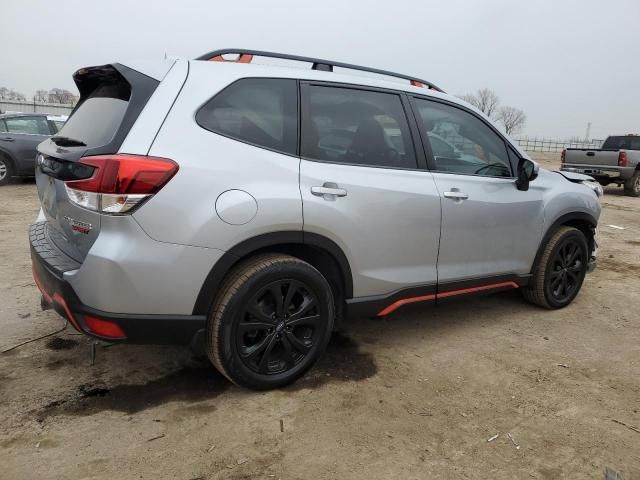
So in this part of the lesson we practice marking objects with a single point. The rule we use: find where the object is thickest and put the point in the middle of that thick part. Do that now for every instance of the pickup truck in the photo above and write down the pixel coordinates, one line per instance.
(618, 161)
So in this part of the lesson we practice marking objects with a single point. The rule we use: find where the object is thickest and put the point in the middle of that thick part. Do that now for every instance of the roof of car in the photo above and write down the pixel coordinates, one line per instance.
(318, 64)
(49, 116)
(242, 70)
(6, 115)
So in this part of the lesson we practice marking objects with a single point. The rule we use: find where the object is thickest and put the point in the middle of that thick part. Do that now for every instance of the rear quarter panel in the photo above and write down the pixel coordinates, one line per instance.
(184, 211)
(143, 132)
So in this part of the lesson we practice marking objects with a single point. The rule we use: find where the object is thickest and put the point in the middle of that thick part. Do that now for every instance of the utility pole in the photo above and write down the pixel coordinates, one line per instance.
(586, 137)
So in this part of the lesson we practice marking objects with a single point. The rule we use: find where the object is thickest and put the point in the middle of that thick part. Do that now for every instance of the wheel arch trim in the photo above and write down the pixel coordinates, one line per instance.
(264, 241)
(557, 223)
(6, 153)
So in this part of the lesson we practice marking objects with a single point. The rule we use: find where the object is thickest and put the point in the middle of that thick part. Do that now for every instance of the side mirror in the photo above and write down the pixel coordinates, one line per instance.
(527, 172)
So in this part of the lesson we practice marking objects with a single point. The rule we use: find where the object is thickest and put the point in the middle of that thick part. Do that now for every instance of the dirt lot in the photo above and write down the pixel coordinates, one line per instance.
(416, 395)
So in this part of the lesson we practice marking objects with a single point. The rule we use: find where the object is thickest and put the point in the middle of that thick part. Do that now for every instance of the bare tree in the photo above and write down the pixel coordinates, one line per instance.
(41, 96)
(484, 100)
(10, 94)
(60, 95)
(512, 118)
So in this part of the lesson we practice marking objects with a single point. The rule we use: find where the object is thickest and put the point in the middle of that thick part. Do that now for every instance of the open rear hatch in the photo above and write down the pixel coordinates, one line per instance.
(111, 98)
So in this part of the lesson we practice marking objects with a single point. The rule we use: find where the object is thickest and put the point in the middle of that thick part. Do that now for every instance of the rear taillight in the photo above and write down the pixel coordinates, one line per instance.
(622, 159)
(563, 155)
(120, 183)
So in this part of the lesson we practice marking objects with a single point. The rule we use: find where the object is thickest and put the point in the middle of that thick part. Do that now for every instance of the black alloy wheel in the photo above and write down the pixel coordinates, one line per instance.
(278, 327)
(270, 321)
(566, 270)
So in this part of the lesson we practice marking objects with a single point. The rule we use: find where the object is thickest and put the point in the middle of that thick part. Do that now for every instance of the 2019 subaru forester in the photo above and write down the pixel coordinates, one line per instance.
(257, 206)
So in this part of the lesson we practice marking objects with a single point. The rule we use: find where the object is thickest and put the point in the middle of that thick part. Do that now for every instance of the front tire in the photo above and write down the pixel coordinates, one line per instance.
(270, 322)
(558, 276)
(632, 186)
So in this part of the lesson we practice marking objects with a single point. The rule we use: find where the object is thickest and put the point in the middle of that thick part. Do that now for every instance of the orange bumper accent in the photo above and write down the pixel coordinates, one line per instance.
(56, 298)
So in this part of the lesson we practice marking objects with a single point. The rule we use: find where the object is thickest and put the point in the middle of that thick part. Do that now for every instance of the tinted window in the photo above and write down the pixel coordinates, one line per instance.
(31, 125)
(625, 143)
(345, 125)
(97, 119)
(3, 127)
(255, 110)
(461, 142)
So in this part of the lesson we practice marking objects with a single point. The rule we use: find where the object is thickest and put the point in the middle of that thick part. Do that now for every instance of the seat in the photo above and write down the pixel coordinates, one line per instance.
(369, 146)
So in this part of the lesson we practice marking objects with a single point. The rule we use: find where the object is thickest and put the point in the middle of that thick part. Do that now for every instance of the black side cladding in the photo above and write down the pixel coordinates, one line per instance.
(124, 82)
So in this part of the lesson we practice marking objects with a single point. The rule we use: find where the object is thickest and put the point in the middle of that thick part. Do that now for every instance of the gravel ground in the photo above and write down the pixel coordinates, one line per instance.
(416, 395)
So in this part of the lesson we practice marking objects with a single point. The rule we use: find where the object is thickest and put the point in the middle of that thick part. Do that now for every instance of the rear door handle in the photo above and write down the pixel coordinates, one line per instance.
(7, 139)
(329, 191)
(456, 195)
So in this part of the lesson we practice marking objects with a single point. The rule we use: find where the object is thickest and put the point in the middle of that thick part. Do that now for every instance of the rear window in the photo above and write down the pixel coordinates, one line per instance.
(96, 120)
(259, 111)
(356, 127)
(622, 142)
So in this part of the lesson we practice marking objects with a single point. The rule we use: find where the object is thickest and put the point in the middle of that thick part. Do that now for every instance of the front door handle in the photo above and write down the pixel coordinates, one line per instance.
(455, 195)
(7, 139)
(329, 191)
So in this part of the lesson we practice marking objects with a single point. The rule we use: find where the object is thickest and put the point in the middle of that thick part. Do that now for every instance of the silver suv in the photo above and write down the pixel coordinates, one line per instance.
(252, 208)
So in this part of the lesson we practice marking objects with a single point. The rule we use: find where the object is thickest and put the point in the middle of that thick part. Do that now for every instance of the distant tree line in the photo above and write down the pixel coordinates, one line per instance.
(10, 94)
(512, 119)
(55, 95)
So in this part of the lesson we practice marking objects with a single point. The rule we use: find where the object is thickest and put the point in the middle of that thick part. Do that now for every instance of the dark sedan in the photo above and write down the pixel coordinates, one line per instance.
(20, 134)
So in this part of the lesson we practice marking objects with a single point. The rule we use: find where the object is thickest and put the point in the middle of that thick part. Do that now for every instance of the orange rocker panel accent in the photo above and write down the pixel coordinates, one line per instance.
(404, 301)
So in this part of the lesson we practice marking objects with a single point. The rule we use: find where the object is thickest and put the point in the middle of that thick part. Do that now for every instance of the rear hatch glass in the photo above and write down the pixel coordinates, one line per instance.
(111, 98)
(96, 120)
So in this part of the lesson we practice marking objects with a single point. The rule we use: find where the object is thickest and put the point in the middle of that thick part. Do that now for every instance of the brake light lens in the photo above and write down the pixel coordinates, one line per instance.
(563, 155)
(104, 328)
(120, 183)
(623, 161)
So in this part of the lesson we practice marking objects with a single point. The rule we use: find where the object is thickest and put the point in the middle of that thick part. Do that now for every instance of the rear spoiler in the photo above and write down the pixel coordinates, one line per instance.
(87, 79)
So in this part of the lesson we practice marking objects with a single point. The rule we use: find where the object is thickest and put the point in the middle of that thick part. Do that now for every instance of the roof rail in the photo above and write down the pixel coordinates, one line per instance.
(246, 56)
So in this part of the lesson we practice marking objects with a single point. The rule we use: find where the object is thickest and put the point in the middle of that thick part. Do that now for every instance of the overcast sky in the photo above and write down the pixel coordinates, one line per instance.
(564, 62)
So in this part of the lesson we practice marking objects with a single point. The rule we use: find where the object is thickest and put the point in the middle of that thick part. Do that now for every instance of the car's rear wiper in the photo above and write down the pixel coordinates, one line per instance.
(67, 142)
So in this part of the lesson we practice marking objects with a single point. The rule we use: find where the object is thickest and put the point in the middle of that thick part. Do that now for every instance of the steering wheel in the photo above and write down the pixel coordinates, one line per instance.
(497, 165)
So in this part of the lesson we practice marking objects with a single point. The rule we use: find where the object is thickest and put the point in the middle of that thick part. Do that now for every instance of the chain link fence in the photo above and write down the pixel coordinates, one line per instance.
(534, 144)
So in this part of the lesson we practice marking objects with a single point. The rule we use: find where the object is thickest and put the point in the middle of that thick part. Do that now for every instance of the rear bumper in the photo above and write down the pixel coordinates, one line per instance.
(601, 171)
(49, 265)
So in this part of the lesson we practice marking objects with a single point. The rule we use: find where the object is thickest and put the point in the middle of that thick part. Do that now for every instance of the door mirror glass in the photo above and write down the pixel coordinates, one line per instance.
(527, 172)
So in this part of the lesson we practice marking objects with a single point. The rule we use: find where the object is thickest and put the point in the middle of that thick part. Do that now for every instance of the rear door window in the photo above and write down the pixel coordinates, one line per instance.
(259, 111)
(97, 119)
(29, 125)
(358, 127)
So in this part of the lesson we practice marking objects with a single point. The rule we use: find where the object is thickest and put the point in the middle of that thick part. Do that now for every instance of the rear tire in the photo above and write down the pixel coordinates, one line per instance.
(270, 322)
(632, 186)
(6, 170)
(558, 276)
